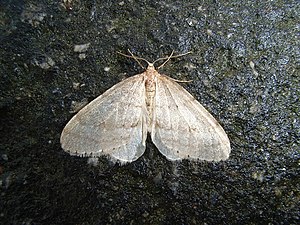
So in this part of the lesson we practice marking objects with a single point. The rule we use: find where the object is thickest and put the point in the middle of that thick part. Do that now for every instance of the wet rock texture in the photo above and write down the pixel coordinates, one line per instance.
(245, 71)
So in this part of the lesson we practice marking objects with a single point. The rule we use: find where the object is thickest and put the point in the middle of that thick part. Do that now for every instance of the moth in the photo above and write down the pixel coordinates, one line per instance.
(117, 122)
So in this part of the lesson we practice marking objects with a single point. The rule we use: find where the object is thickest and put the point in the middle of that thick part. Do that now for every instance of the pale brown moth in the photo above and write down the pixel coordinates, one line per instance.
(117, 122)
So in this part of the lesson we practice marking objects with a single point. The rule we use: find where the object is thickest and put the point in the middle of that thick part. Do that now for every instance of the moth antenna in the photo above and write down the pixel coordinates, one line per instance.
(170, 57)
(135, 58)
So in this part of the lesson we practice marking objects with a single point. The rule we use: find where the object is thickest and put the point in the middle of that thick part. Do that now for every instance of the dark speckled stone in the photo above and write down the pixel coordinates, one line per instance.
(245, 71)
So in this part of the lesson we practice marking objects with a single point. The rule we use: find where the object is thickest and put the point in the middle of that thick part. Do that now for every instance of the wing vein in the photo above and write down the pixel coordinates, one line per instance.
(179, 108)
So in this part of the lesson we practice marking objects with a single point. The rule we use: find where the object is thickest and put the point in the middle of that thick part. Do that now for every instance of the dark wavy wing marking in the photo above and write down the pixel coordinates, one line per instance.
(113, 124)
(183, 128)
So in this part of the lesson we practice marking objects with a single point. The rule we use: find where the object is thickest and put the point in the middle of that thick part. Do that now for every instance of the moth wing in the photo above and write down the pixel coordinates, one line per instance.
(183, 128)
(113, 124)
